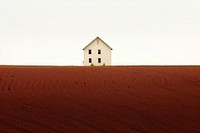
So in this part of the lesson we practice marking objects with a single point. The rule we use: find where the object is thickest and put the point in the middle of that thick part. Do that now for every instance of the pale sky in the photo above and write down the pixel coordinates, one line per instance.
(141, 32)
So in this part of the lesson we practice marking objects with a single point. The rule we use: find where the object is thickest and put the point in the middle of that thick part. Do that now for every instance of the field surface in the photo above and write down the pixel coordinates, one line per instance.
(120, 99)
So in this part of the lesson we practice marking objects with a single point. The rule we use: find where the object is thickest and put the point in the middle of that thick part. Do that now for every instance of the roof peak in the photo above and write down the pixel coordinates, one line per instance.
(94, 40)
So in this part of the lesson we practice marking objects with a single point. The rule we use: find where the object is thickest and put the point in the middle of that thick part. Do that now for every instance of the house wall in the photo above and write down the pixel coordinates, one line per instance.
(105, 54)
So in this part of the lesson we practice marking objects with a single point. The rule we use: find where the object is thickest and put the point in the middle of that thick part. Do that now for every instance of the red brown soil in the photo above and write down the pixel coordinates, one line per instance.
(100, 99)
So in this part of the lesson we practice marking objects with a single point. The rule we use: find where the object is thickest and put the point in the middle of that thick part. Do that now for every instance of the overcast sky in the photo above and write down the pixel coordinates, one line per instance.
(141, 32)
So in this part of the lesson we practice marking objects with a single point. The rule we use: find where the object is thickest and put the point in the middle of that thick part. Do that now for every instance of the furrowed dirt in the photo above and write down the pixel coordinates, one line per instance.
(118, 99)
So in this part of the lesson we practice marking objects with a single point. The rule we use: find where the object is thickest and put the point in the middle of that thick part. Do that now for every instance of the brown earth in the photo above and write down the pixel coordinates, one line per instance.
(116, 99)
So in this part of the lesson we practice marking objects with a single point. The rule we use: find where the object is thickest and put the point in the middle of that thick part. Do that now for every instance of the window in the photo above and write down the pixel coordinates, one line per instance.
(99, 51)
(90, 60)
(90, 51)
(99, 60)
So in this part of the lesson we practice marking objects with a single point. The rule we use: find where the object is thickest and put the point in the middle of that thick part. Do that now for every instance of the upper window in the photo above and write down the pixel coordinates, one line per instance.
(90, 51)
(99, 51)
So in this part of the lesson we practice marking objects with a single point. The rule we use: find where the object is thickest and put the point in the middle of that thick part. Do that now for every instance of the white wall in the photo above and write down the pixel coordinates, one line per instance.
(105, 54)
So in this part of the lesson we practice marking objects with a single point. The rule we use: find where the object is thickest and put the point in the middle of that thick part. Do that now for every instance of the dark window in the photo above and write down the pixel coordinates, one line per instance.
(99, 51)
(99, 60)
(90, 51)
(90, 60)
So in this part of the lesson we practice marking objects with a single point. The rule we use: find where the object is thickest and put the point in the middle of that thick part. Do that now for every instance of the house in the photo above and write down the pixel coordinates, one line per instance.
(97, 53)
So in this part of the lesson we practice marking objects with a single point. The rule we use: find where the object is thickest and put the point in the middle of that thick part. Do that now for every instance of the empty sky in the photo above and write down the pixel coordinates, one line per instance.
(141, 32)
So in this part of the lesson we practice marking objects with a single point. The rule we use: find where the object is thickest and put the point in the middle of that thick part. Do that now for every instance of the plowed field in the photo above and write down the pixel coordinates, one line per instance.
(118, 99)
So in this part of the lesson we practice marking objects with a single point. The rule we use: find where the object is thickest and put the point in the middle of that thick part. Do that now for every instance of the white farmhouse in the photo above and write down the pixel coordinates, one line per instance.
(97, 53)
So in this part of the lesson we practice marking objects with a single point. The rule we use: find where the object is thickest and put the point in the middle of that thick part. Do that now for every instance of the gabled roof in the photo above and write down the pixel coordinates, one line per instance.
(95, 40)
